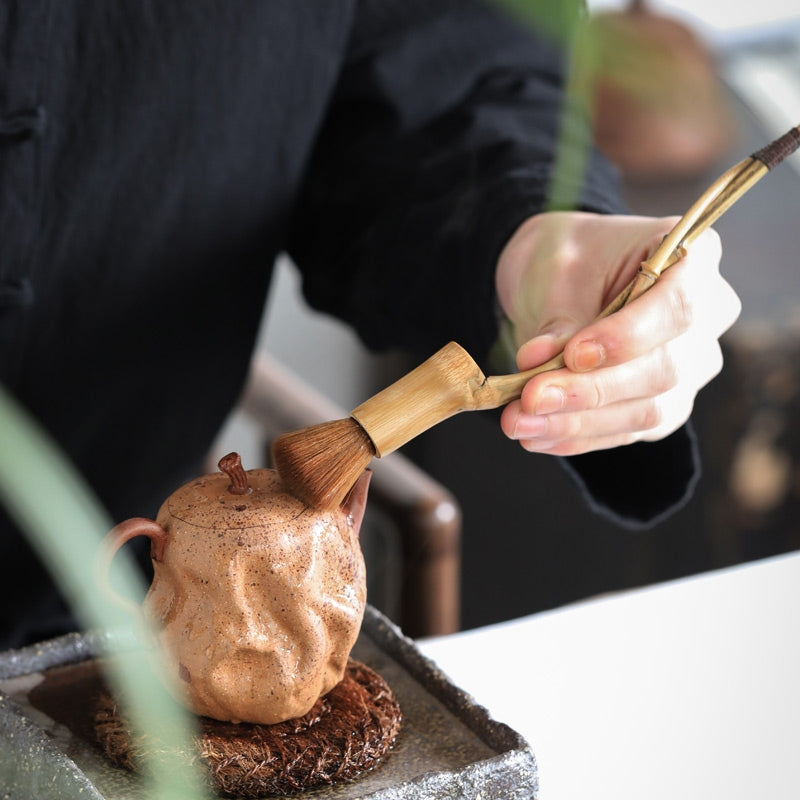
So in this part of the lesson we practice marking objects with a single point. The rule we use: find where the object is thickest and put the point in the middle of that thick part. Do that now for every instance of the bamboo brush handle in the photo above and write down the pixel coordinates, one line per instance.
(450, 381)
(441, 386)
(707, 209)
(497, 390)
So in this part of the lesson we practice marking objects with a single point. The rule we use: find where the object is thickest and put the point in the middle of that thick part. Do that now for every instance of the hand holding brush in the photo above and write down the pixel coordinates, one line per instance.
(320, 464)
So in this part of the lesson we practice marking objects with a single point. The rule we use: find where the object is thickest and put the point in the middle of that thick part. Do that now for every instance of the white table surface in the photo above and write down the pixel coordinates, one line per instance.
(688, 689)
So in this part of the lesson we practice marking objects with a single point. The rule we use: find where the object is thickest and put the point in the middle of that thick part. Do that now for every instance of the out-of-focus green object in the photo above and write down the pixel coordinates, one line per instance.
(648, 84)
(557, 19)
(64, 523)
(565, 22)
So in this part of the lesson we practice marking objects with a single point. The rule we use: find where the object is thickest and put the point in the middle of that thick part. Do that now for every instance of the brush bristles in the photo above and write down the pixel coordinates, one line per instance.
(320, 464)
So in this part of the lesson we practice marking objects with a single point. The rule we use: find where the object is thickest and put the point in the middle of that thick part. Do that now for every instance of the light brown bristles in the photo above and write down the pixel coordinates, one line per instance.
(320, 464)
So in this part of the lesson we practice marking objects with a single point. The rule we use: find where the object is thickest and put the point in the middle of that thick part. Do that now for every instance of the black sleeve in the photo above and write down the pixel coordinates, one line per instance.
(439, 142)
(639, 485)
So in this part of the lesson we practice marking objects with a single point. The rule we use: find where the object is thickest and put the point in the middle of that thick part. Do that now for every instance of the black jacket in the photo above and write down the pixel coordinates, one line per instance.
(156, 156)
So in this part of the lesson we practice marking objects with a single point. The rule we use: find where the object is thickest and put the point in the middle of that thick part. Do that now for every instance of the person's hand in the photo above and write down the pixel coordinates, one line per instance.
(632, 376)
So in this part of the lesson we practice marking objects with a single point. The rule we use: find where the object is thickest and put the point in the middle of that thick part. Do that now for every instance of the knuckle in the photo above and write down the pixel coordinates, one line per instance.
(681, 308)
(712, 365)
(714, 242)
(624, 439)
(561, 428)
(729, 306)
(717, 358)
(570, 447)
(669, 372)
(735, 307)
(651, 416)
(597, 396)
(571, 427)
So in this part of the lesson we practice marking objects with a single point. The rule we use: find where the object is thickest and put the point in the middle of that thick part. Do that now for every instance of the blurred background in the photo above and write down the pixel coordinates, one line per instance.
(727, 82)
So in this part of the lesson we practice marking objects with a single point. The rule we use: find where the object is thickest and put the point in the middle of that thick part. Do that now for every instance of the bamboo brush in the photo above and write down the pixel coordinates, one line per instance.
(321, 463)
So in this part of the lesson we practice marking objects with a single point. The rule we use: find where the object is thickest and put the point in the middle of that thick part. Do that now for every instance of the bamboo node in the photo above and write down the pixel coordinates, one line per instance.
(647, 273)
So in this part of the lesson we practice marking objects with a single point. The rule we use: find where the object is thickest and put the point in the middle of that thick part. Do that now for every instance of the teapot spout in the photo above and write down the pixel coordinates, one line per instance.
(355, 503)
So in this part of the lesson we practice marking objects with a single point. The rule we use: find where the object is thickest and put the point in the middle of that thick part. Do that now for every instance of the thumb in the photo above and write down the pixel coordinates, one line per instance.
(548, 340)
(556, 310)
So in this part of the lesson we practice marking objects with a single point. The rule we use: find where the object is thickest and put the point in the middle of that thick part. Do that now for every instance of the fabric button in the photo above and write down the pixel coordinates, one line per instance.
(16, 294)
(24, 124)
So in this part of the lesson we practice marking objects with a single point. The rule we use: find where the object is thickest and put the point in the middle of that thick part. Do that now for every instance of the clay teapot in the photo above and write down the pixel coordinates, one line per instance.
(256, 599)
(660, 108)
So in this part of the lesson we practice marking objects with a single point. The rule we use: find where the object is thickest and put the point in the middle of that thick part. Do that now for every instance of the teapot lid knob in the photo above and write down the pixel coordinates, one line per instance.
(231, 465)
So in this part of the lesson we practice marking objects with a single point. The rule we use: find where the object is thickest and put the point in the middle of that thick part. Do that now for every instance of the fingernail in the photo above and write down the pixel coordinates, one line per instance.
(588, 355)
(551, 399)
(529, 426)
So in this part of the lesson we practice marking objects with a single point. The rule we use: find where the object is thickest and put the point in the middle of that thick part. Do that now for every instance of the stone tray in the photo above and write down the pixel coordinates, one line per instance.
(449, 747)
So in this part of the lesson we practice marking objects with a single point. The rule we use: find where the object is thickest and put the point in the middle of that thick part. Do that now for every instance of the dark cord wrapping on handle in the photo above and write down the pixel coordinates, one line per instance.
(772, 155)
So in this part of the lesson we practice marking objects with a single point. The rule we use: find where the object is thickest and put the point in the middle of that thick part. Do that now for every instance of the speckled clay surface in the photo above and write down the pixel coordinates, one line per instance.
(253, 589)
(448, 747)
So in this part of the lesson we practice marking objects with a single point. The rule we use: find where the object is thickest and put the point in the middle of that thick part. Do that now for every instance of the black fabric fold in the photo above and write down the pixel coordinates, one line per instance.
(641, 484)
(23, 123)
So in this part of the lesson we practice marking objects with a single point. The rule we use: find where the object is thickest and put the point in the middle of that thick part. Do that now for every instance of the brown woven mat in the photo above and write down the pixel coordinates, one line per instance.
(347, 732)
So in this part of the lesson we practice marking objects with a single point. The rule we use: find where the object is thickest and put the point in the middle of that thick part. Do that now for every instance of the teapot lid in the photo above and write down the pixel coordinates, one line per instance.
(234, 498)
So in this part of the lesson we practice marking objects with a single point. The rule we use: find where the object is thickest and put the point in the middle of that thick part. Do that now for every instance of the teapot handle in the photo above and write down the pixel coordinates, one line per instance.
(111, 543)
